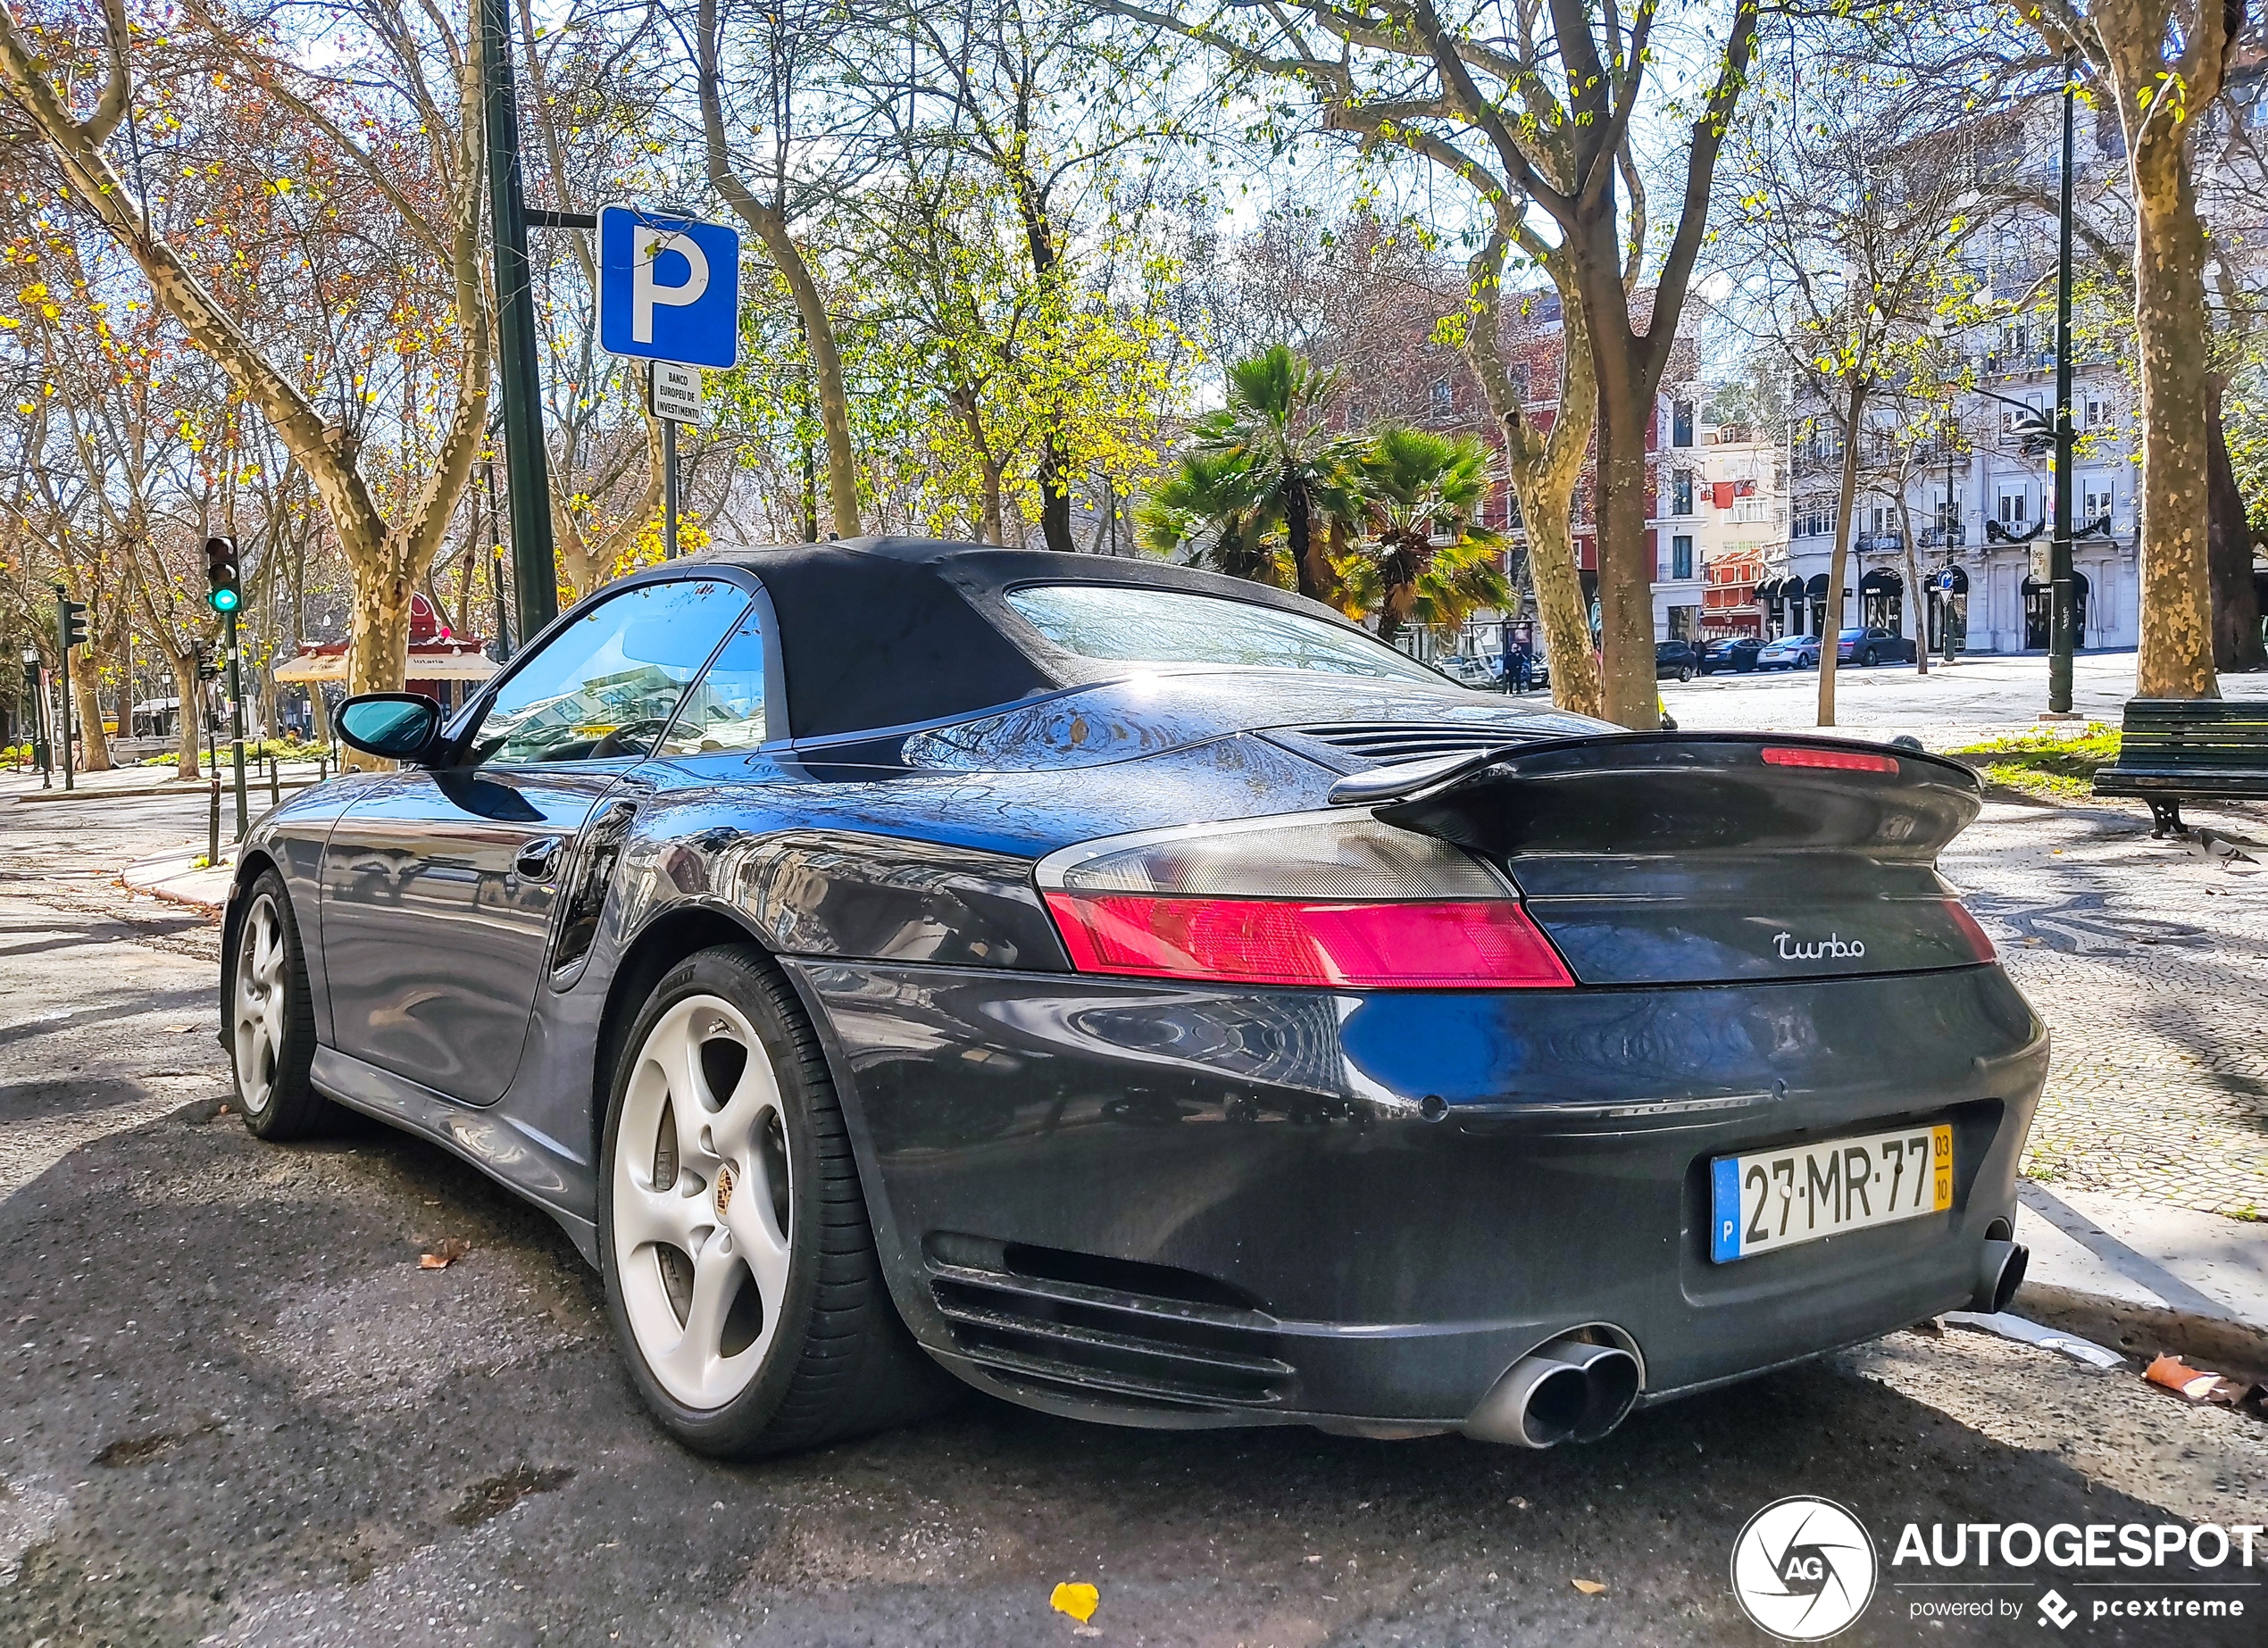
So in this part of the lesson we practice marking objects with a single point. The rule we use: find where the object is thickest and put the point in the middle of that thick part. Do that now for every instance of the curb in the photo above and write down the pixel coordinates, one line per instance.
(2220, 1342)
(193, 787)
(167, 885)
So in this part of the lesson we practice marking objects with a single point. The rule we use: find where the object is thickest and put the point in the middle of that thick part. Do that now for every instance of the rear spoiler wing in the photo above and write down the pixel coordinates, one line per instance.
(1413, 780)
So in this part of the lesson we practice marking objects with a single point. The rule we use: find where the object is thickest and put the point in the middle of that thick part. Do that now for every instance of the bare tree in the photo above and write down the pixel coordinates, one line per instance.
(387, 555)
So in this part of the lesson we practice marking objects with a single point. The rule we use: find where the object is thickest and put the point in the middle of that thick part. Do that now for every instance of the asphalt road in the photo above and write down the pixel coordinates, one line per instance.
(233, 1408)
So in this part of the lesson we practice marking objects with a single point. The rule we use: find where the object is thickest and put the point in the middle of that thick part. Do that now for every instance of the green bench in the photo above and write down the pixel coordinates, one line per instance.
(2173, 749)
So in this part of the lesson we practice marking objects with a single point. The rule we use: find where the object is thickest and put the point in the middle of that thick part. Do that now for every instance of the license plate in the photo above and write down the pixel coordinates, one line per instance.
(1778, 1198)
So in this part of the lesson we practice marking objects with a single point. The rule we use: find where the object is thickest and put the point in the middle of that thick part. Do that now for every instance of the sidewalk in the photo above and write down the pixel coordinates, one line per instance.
(184, 879)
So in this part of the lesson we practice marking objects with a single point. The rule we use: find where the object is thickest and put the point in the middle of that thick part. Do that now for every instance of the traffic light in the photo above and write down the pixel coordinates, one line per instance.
(70, 621)
(220, 575)
(206, 668)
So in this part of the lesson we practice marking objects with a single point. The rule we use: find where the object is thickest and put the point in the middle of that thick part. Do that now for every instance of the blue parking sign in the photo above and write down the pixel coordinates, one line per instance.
(669, 287)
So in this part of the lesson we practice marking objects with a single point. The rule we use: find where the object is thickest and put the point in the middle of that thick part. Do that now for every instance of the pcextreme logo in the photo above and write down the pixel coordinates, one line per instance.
(1803, 1569)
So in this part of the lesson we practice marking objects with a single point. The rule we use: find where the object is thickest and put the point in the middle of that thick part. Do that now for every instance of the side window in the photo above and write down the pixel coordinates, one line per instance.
(605, 687)
(725, 711)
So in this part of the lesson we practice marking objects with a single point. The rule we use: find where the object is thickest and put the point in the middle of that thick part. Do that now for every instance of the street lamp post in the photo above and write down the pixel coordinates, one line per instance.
(2061, 640)
(526, 484)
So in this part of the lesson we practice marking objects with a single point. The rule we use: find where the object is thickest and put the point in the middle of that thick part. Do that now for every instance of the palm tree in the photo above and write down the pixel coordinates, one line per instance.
(1281, 463)
(1433, 562)
(1202, 514)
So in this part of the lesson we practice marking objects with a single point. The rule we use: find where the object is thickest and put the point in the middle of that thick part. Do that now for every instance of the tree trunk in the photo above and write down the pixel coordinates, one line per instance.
(1914, 583)
(186, 686)
(1628, 696)
(86, 700)
(990, 530)
(378, 635)
(1839, 563)
(2236, 595)
(1055, 499)
(319, 711)
(770, 226)
(1543, 466)
(1312, 577)
(2176, 653)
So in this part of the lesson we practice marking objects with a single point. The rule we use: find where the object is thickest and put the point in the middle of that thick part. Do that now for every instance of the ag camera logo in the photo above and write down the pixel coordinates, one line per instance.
(1803, 1569)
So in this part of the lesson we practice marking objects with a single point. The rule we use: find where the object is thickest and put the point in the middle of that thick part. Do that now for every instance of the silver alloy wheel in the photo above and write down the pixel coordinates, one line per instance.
(701, 1211)
(261, 1005)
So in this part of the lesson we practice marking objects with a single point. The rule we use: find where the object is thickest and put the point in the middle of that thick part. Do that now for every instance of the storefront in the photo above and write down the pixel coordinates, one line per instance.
(1881, 601)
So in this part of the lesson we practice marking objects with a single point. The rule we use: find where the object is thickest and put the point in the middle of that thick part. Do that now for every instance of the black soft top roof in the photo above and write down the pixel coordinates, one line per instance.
(890, 632)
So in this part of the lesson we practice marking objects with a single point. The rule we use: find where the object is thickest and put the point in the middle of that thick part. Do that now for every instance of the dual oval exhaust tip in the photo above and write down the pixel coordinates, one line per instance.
(2000, 1271)
(1567, 1390)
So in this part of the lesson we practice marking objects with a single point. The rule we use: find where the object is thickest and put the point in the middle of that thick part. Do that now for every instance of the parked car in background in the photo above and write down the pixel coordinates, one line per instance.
(1681, 659)
(1739, 652)
(1868, 647)
(1467, 669)
(1790, 652)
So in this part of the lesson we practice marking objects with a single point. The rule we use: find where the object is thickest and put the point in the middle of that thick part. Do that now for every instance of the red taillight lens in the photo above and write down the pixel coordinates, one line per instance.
(1476, 944)
(1841, 760)
(1978, 939)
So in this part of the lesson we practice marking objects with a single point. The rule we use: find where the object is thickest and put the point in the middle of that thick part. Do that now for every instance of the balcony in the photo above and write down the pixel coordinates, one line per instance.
(1882, 542)
(1943, 537)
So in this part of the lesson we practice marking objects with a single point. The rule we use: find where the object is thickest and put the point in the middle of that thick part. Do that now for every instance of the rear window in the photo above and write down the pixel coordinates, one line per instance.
(1176, 627)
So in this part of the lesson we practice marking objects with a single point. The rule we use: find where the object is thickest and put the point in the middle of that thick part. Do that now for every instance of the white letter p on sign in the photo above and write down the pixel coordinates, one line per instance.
(646, 247)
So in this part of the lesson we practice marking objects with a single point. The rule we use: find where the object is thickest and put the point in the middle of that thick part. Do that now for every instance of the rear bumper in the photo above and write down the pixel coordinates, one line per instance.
(1170, 1206)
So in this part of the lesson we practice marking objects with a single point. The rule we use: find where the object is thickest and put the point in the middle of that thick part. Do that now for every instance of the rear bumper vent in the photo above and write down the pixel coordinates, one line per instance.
(1106, 1330)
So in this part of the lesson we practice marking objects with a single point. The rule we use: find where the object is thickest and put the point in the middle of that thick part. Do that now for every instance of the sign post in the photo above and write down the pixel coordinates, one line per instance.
(668, 294)
(674, 395)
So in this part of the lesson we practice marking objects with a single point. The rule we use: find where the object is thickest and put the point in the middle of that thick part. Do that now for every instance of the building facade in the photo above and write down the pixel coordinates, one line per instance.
(1976, 497)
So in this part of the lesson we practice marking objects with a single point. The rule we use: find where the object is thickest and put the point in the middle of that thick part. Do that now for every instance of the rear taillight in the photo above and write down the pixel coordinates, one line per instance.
(1978, 939)
(1321, 901)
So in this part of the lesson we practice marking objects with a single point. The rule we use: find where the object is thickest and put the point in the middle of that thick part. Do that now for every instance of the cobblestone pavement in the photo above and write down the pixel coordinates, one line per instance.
(2149, 961)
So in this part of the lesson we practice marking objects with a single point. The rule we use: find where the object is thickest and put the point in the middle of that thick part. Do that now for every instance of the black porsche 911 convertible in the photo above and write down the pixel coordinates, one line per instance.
(1148, 998)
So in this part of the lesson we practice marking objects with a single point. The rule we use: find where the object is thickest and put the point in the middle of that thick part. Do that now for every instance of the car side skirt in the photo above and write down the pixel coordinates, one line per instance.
(516, 1156)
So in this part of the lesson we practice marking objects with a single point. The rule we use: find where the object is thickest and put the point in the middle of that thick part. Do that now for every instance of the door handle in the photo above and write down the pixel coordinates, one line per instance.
(538, 860)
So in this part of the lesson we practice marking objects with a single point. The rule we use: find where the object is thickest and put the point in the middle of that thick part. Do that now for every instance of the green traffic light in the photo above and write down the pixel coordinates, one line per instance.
(224, 600)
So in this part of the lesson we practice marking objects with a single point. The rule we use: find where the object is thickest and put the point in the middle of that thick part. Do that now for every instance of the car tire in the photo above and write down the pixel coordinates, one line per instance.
(270, 1025)
(1685, 672)
(1866, 660)
(770, 1328)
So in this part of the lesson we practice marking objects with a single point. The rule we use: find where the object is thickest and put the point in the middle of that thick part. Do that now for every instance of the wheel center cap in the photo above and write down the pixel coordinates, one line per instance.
(724, 1190)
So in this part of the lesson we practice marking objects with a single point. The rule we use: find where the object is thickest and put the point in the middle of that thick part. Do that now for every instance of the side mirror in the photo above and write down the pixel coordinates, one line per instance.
(396, 726)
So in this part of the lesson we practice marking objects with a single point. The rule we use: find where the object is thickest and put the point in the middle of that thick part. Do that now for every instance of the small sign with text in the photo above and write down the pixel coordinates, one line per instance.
(674, 392)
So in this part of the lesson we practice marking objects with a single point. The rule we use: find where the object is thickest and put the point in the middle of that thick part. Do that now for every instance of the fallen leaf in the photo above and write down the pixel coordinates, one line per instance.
(178, 1029)
(444, 1254)
(1077, 1600)
(1588, 1587)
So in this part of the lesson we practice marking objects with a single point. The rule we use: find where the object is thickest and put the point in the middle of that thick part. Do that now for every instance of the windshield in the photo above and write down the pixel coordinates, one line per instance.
(1853, 634)
(1121, 622)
